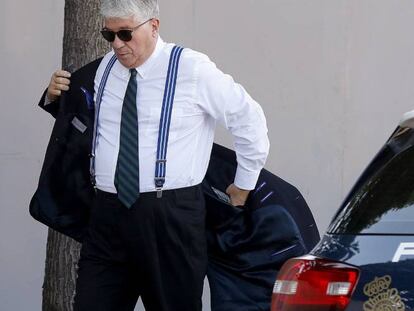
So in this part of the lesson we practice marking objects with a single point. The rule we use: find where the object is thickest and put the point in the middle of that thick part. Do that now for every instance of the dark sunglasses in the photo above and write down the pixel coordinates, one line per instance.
(123, 34)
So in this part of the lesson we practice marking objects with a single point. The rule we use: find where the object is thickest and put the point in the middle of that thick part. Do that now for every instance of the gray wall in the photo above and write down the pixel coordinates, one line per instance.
(30, 49)
(333, 76)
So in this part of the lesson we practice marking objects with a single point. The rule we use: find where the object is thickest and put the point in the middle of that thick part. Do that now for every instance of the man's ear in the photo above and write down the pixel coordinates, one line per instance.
(155, 24)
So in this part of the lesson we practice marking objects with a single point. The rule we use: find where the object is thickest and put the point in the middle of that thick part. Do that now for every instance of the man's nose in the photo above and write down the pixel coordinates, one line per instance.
(117, 43)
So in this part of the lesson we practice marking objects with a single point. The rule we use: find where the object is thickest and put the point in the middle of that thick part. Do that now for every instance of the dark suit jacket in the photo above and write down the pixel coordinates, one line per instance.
(246, 246)
(64, 193)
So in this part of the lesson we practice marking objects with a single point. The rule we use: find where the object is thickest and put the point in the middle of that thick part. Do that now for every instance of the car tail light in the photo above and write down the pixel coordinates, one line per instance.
(310, 283)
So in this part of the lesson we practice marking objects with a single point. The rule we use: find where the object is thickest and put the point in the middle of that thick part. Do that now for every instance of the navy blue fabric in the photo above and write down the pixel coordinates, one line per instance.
(64, 194)
(247, 246)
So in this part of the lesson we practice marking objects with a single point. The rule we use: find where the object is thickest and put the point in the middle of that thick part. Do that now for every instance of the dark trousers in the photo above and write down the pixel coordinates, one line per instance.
(155, 250)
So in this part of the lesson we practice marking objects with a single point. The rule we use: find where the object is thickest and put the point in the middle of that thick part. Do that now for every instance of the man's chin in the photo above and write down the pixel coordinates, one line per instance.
(125, 60)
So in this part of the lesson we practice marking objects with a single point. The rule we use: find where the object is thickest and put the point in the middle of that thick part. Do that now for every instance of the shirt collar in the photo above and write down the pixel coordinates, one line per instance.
(149, 63)
(143, 69)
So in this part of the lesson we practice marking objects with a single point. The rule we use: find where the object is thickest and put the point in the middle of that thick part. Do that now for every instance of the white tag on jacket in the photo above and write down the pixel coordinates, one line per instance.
(79, 125)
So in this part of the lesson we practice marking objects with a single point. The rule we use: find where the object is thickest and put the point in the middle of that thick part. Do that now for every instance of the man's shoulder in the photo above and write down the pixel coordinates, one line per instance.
(187, 55)
(193, 56)
(101, 64)
(190, 60)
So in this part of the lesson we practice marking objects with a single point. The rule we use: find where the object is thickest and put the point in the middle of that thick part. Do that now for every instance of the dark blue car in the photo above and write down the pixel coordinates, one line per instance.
(365, 260)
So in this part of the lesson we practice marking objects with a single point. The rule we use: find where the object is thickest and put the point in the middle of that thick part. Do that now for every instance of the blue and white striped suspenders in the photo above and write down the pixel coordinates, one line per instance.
(165, 119)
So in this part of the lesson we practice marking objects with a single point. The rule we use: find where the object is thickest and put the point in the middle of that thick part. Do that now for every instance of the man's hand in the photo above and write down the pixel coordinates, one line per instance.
(58, 83)
(237, 196)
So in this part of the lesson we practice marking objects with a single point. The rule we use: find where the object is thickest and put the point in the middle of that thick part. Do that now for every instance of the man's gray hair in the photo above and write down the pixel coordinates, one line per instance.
(140, 9)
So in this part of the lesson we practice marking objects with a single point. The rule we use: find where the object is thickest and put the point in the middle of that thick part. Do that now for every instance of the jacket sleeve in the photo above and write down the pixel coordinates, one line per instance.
(52, 108)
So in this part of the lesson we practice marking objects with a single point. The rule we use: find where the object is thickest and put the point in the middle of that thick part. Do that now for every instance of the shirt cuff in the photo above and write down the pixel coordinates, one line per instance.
(246, 180)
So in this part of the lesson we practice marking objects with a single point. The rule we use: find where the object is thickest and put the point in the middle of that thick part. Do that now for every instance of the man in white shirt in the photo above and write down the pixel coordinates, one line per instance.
(155, 247)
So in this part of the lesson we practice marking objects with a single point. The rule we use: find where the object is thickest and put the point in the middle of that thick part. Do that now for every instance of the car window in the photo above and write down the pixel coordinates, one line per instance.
(384, 203)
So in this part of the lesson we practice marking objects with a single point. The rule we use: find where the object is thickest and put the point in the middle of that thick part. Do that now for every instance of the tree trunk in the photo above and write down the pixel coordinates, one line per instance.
(82, 43)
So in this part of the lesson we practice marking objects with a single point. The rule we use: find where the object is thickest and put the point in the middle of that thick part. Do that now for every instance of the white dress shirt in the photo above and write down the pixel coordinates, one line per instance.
(203, 96)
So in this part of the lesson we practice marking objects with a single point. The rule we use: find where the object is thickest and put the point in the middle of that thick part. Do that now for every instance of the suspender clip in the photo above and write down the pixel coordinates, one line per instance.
(159, 183)
(159, 193)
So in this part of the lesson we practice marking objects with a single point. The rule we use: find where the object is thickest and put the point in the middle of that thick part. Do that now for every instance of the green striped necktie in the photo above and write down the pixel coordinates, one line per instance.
(127, 169)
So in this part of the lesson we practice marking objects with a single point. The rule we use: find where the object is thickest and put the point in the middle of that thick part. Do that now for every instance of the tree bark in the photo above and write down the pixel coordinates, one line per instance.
(82, 43)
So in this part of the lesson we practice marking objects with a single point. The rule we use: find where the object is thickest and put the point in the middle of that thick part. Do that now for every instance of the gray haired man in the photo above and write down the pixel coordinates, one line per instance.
(144, 241)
